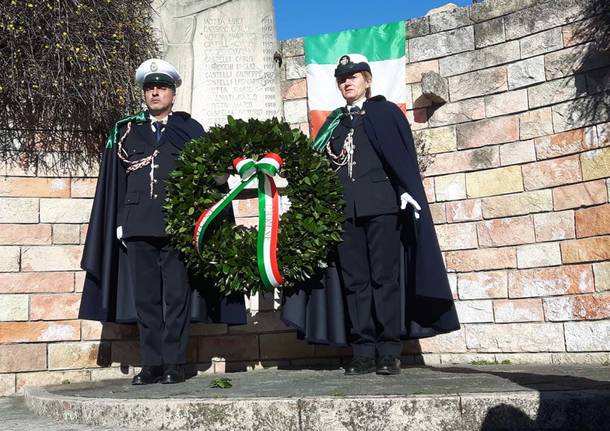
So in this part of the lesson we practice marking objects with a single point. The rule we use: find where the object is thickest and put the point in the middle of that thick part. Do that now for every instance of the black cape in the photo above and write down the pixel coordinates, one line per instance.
(108, 294)
(317, 308)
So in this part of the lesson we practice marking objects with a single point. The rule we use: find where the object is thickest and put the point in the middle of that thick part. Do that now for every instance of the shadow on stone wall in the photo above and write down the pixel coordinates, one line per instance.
(555, 410)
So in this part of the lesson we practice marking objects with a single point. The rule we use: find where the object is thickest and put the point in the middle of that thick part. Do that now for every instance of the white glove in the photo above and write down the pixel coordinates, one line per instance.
(119, 235)
(406, 199)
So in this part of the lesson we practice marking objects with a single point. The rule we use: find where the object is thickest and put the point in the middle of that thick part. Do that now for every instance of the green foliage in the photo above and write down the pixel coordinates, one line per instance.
(221, 383)
(308, 230)
(67, 74)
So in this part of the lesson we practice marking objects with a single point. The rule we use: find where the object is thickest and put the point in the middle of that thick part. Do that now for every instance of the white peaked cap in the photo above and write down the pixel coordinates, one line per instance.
(157, 70)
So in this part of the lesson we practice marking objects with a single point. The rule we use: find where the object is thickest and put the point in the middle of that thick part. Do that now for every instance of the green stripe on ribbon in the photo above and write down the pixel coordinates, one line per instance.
(113, 138)
(327, 129)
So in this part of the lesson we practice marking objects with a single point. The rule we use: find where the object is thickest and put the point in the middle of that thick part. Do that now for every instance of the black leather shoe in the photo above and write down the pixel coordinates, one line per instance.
(360, 365)
(148, 375)
(173, 374)
(388, 365)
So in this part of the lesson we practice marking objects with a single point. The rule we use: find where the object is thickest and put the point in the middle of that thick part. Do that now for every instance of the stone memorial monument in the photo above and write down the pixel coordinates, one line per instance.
(224, 51)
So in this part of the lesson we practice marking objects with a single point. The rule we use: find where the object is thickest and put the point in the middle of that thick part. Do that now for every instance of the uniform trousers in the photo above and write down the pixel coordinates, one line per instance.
(162, 299)
(369, 262)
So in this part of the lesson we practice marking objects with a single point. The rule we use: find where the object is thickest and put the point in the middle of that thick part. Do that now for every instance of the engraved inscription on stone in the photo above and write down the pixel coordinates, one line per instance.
(224, 50)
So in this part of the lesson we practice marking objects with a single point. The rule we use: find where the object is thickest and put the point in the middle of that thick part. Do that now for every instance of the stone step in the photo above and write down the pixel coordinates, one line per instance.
(451, 398)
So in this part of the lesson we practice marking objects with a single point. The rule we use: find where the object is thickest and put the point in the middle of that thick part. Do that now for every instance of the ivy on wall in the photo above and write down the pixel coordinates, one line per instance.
(66, 75)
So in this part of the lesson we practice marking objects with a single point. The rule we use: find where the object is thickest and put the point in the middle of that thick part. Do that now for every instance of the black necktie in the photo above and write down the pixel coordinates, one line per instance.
(158, 128)
(354, 114)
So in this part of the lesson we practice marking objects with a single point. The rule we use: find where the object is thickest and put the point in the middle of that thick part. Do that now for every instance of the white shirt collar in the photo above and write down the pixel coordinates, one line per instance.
(162, 120)
(357, 103)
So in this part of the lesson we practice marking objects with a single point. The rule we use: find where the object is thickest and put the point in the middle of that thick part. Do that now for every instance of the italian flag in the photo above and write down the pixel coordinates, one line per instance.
(383, 46)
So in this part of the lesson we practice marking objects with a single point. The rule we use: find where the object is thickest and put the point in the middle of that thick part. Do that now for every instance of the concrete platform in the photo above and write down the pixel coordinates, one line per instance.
(490, 397)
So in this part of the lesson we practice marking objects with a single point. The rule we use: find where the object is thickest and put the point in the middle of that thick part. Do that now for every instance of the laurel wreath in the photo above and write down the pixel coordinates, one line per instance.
(308, 231)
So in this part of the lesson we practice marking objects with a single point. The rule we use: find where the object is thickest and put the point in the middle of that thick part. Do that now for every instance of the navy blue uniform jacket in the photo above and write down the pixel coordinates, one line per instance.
(317, 309)
(108, 294)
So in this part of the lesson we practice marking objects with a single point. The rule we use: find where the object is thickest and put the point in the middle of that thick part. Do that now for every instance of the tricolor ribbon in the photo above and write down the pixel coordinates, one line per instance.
(268, 213)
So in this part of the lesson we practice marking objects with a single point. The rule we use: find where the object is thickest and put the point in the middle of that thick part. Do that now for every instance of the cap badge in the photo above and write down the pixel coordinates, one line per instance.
(153, 67)
(344, 60)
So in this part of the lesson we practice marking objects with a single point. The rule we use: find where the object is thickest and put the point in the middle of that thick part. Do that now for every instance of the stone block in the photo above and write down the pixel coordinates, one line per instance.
(526, 72)
(541, 16)
(475, 311)
(418, 99)
(467, 160)
(580, 358)
(538, 122)
(13, 308)
(47, 282)
(517, 152)
(34, 187)
(576, 59)
(434, 88)
(586, 250)
(518, 310)
(49, 166)
(429, 189)
(494, 182)
(481, 260)
(556, 91)
(550, 173)
(593, 221)
(479, 83)
(295, 111)
(560, 144)
(458, 112)
(51, 258)
(541, 43)
(598, 80)
(554, 226)
(588, 336)
(506, 103)
(7, 384)
(93, 330)
(82, 187)
(580, 307)
(438, 212)
(489, 9)
(9, 258)
(295, 67)
(19, 210)
(577, 195)
(466, 210)
(537, 255)
(489, 33)
(22, 357)
(65, 210)
(437, 139)
(450, 187)
(602, 276)
(517, 204)
(83, 232)
(417, 27)
(487, 132)
(66, 234)
(452, 342)
(25, 234)
(479, 59)
(506, 231)
(292, 47)
(440, 44)
(457, 236)
(482, 285)
(234, 347)
(449, 20)
(77, 355)
(25, 332)
(46, 378)
(562, 280)
(595, 164)
(55, 306)
(515, 337)
(415, 71)
(284, 345)
(294, 89)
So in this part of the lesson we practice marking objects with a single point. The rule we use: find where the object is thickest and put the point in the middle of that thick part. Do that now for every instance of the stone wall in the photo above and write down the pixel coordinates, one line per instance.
(518, 186)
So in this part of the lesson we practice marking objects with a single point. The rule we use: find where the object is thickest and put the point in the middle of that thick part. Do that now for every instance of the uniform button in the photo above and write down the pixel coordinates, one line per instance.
(155, 180)
(155, 196)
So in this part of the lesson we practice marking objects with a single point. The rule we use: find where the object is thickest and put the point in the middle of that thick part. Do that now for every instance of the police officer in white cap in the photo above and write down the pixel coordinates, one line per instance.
(138, 275)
